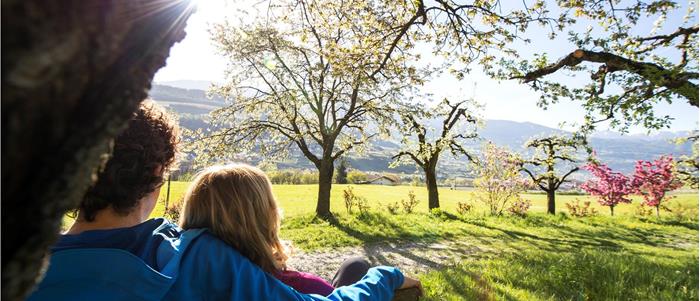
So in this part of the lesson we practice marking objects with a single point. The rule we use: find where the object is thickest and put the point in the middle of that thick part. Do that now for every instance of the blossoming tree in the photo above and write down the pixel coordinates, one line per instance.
(653, 179)
(499, 180)
(611, 188)
(550, 152)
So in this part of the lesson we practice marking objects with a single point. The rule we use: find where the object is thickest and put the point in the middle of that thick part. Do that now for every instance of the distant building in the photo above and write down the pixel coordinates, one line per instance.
(382, 180)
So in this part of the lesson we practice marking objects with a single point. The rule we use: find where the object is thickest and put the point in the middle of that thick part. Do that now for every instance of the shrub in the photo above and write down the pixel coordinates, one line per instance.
(642, 210)
(393, 208)
(353, 200)
(341, 172)
(356, 176)
(309, 177)
(681, 212)
(172, 212)
(578, 210)
(464, 208)
(362, 205)
(499, 180)
(293, 176)
(349, 198)
(416, 181)
(441, 214)
(519, 207)
(411, 203)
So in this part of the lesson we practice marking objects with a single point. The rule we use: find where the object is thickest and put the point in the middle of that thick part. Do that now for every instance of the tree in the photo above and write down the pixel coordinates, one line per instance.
(549, 152)
(687, 166)
(653, 179)
(498, 181)
(355, 176)
(305, 80)
(450, 26)
(425, 151)
(341, 172)
(72, 76)
(312, 73)
(611, 188)
(627, 72)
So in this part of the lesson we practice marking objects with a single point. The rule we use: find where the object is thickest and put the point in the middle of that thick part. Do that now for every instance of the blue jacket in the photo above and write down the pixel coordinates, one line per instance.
(191, 265)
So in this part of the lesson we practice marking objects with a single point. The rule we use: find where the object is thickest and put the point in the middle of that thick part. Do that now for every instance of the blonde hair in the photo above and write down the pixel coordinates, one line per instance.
(235, 202)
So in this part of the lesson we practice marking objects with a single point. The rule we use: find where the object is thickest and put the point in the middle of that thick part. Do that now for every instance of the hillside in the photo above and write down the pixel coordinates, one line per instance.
(620, 152)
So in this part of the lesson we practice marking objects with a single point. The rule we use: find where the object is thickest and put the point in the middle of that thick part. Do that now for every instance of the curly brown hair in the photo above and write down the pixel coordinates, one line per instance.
(147, 146)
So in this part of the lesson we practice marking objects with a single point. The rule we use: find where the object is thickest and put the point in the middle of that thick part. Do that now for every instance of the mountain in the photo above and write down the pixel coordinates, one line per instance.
(187, 84)
(514, 134)
(620, 152)
(185, 101)
(661, 135)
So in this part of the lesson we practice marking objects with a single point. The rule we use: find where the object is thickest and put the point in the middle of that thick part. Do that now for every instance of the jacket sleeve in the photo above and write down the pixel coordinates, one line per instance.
(224, 274)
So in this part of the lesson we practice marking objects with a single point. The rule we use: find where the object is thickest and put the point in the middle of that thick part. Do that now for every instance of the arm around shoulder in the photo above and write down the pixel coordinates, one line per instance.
(214, 270)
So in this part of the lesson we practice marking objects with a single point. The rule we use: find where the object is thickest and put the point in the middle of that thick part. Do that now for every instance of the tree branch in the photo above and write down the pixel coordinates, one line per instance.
(537, 180)
(679, 83)
(563, 178)
(407, 153)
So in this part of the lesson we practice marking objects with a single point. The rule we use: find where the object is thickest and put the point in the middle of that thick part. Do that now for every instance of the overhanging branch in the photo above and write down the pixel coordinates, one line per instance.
(680, 83)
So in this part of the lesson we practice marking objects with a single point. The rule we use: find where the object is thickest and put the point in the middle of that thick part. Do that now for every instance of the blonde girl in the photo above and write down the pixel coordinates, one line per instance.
(235, 202)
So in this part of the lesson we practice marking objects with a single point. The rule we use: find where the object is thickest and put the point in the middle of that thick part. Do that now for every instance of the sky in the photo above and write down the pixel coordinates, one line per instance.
(195, 58)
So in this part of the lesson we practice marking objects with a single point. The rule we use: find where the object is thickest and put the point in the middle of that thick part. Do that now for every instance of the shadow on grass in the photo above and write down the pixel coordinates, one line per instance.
(371, 222)
(558, 233)
(537, 257)
(688, 224)
(566, 239)
(589, 274)
(561, 233)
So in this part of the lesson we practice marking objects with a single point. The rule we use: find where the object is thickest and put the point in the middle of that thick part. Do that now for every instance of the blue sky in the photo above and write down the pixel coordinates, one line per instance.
(195, 58)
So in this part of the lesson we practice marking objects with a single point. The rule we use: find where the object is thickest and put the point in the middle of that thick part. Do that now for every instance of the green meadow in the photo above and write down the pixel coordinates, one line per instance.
(301, 199)
(538, 257)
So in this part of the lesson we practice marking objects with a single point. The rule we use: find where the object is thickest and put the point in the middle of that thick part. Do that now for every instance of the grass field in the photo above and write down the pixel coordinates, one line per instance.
(301, 199)
(539, 257)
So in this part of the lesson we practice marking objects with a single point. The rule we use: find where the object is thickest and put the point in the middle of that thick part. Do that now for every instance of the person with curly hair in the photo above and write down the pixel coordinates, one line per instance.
(114, 252)
(135, 171)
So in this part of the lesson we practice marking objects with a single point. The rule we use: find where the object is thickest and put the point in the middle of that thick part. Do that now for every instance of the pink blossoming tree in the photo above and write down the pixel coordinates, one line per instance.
(611, 188)
(653, 179)
(499, 181)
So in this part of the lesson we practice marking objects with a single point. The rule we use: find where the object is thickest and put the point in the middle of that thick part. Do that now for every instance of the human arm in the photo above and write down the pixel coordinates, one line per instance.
(214, 270)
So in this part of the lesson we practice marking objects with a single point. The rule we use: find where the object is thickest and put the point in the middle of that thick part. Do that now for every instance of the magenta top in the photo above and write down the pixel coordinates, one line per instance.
(305, 283)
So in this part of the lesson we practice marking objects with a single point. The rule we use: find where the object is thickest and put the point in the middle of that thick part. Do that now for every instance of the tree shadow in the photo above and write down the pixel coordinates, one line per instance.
(573, 239)
(688, 224)
(591, 274)
(562, 242)
(380, 221)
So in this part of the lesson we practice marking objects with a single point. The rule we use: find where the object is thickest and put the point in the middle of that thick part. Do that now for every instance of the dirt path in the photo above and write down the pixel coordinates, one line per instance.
(413, 258)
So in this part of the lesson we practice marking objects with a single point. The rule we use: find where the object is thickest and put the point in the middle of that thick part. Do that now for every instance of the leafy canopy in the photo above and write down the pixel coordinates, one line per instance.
(627, 63)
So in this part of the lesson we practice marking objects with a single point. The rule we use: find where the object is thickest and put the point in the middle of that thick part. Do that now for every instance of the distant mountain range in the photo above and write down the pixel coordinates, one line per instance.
(187, 84)
(618, 151)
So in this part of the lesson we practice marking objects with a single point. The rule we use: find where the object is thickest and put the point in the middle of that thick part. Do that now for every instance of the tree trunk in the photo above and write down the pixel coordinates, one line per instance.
(612, 210)
(431, 182)
(73, 73)
(657, 211)
(550, 202)
(325, 181)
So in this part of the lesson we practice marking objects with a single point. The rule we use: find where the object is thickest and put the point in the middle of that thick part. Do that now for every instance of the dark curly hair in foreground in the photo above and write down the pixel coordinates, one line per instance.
(147, 146)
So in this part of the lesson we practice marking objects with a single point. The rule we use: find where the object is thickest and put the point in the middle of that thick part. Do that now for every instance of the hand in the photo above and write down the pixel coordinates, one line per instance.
(409, 282)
